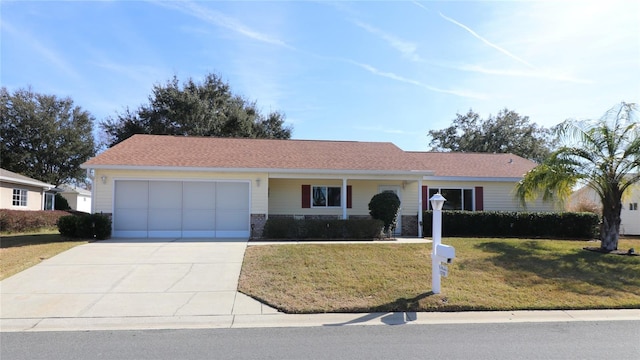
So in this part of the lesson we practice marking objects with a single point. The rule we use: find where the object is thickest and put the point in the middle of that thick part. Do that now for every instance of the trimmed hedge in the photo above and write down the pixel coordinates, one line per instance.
(317, 229)
(85, 226)
(25, 220)
(564, 225)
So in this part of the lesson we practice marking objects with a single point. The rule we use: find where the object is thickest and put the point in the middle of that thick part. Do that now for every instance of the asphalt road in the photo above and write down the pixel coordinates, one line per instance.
(567, 340)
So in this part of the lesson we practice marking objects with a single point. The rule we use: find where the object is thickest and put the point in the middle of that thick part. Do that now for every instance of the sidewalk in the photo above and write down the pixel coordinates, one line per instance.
(310, 320)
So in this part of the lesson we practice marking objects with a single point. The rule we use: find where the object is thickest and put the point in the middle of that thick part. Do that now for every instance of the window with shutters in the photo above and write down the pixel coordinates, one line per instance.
(326, 196)
(457, 199)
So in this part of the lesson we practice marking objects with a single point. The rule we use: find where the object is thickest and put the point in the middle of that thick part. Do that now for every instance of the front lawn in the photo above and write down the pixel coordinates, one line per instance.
(21, 251)
(488, 274)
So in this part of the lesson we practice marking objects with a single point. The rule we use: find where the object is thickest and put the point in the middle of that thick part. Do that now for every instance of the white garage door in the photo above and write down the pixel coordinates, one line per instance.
(181, 209)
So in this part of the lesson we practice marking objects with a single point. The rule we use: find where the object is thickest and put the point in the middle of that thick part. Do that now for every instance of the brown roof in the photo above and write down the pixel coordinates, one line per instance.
(458, 164)
(228, 153)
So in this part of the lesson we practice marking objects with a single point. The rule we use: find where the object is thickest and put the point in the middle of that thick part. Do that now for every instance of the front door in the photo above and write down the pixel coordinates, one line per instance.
(396, 190)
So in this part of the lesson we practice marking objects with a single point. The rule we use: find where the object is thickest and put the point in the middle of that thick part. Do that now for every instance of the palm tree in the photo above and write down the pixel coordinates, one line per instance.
(603, 155)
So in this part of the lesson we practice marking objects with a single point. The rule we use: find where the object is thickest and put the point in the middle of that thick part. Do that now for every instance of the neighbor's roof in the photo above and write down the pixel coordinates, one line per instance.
(232, 153)
(10, 176)
(459, 164)
(161, 151)
(68, 188)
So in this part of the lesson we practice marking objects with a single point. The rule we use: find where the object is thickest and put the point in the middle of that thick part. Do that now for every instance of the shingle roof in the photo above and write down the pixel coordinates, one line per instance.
(457, 164)
(10, 176)
(150, 151)
(231, 153)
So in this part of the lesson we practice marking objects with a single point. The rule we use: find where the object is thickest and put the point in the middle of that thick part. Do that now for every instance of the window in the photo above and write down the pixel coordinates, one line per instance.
(325, 196)
(633, 206)
(457, 199)
(19, 197)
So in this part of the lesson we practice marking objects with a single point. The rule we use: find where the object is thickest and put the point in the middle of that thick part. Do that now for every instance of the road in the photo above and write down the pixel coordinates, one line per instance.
(561, 340)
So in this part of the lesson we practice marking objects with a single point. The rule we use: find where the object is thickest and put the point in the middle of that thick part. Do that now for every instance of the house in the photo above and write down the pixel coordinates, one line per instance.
(176, 186)
(79, 199)
(18, 192)
(587, 198)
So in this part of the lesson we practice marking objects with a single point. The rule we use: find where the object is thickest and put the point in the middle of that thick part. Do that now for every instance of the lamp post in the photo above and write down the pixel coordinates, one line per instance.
(437, 201)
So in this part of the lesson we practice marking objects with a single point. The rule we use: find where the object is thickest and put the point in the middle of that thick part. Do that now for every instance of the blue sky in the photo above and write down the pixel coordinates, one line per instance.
(365, 71)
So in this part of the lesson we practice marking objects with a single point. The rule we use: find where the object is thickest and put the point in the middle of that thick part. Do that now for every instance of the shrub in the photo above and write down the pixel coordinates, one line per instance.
(25, 221)
(61, 203)
(384, 206)
(516, 224)
(85, 226)
(292, 229)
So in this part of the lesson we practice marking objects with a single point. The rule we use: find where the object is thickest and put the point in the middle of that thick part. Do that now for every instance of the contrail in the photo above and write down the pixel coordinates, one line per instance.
(475, 34)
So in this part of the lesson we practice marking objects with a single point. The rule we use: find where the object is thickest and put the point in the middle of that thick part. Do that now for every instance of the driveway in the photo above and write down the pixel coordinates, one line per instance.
(132, 278)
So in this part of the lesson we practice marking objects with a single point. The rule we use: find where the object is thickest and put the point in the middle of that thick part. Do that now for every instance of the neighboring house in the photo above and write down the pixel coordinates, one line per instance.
(79, 199)
(18, 192)
(176, 186)
(586, 197)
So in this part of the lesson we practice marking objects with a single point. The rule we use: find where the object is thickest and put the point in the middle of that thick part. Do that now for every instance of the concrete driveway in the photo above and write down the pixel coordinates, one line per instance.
(132, 278)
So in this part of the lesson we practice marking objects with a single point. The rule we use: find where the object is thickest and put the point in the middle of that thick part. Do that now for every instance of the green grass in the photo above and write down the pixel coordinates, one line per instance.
(488, 274)
(19, 251)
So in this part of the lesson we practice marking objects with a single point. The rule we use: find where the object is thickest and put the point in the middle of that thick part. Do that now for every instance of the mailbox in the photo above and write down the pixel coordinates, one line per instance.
(447, 252)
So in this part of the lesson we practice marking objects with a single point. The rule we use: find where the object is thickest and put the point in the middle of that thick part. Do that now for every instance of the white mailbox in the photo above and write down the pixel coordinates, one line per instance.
(446, 252)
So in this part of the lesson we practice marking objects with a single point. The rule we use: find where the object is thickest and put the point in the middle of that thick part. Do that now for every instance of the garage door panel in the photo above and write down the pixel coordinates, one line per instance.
(165, 195)
(232, 220)
(232, 196)
(165, 219)
(199, 195)
(130, 219)
(199, 220)
(132, 194)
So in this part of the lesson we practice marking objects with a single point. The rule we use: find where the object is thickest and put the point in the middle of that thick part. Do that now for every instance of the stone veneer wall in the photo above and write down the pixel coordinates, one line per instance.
(257, 225)
(409, 225)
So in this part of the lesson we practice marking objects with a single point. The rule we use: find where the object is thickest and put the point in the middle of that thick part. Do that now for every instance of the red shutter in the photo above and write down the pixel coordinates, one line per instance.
(479, 198)
(306, 196)
(425, 198)
(349, 191)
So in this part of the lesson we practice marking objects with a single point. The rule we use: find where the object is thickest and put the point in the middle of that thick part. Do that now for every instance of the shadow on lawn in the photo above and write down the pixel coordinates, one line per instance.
(579, 271)
(403, 312)
(11, 241)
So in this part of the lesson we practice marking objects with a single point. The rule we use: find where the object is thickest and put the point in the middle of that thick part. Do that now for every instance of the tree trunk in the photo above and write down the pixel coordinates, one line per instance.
(610, 227)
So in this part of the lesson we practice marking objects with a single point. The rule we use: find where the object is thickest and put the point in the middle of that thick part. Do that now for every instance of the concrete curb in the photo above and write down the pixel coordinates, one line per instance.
(311, 320)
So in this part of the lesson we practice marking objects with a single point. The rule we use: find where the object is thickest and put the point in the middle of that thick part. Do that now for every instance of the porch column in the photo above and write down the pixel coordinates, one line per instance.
(420, 208)
(343, 198)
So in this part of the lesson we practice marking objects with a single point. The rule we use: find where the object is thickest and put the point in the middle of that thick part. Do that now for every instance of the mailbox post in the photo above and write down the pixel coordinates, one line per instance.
(439, 253)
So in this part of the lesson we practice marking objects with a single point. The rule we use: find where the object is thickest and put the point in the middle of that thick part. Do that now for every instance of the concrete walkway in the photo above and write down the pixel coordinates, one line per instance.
(182, 284)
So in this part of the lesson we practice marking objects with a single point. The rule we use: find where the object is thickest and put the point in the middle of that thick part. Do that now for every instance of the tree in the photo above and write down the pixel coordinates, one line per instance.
(384, 206)
(602, 154)
(44, 137)
(508, 132)
(196, 109)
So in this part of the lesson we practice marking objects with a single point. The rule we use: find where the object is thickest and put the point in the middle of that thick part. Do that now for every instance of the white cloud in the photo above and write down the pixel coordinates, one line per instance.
(406, 48)
(48, 53)
(219, 19)
(396, 77)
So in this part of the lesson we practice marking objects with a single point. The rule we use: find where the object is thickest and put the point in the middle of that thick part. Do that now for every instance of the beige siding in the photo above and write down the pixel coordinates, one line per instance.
(285, 196)
(498, 196)
(103, 193)
(630, 219)
(34, 197)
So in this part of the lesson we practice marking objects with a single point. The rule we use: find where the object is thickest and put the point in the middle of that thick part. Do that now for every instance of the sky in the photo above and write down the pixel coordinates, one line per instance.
(360, 71)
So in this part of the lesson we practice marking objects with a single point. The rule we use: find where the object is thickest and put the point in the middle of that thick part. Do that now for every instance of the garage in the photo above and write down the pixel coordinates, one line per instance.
(188, 209)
